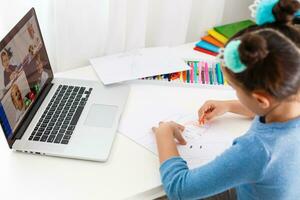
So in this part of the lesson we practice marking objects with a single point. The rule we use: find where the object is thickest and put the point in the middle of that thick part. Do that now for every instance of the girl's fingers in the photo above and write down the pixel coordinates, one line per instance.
(204, 115)
(179, 137)
(202, 120)
(182, 128)
(210, 115)
(178, 126)
(208, 106)
(201, 111)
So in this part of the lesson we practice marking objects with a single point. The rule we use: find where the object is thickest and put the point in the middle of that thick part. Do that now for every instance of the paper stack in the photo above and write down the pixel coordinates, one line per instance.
(138, 64)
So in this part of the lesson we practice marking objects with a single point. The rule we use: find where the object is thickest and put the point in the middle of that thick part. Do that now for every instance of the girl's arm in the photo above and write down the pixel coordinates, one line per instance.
(236, 107)
(234, 167)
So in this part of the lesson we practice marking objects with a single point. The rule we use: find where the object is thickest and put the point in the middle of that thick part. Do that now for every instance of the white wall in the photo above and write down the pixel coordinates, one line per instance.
(236, 10)
(75, 30)
(13, 10)
(215, 13)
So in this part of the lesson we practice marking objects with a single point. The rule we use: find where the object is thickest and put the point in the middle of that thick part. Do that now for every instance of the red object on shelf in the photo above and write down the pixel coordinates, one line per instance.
(205, 51)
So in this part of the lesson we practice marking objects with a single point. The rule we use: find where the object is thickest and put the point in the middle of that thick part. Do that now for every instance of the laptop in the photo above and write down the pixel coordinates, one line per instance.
(41, 114)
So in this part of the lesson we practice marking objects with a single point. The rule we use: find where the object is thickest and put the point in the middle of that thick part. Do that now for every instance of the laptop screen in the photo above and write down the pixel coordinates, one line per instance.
(24, 71)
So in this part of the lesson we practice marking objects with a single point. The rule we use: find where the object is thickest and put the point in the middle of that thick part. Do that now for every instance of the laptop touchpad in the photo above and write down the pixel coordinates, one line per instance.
(101, 116)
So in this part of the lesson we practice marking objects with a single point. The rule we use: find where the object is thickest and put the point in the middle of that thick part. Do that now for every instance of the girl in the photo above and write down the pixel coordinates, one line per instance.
(263, 66)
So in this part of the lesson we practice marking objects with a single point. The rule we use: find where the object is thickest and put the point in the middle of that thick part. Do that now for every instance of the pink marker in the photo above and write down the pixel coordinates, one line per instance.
(192, 72)
(206, 73)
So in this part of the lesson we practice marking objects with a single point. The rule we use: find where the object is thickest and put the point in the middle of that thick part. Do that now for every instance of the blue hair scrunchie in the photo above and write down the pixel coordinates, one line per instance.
(264, 12)
(232, 57)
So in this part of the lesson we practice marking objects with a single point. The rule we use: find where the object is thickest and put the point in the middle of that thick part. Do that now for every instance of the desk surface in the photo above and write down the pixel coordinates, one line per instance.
(131, 171)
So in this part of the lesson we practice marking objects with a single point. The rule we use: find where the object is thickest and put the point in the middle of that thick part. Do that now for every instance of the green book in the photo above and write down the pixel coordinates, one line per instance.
(230, 30)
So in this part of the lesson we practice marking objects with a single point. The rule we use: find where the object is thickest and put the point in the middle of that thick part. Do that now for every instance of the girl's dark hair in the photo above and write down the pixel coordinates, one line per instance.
(271, 54)
(284, 10)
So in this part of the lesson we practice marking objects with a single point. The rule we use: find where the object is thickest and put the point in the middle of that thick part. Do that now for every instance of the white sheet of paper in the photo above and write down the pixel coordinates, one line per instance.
(151, 104)
(138, 64)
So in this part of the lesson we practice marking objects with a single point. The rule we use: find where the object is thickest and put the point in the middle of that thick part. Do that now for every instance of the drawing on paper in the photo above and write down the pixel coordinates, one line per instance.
(202, 145)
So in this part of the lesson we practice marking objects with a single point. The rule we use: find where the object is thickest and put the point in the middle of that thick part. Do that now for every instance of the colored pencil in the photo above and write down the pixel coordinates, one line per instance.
(219, 74)
(199, 71)
(181, 76)
(214, 74)
(202, 75)
(195, 72)
(184, 76)
(188, 76)
(192, 72)
(206, 73)
(210, 77)
(222, 77)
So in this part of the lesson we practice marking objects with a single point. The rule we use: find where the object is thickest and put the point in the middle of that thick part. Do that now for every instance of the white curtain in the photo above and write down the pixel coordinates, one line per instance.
(76, 30)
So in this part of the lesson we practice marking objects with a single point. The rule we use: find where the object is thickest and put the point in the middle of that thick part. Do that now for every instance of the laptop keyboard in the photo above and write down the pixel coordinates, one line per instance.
(58, 121)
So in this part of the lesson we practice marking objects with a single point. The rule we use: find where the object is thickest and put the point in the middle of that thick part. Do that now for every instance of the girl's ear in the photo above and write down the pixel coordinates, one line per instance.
(262, 99)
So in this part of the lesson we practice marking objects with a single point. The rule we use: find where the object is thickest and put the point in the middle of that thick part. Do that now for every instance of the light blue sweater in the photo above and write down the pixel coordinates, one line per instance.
(263, 164)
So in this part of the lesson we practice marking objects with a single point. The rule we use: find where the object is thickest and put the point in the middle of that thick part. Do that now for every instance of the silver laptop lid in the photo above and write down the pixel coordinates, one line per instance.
(25, 76)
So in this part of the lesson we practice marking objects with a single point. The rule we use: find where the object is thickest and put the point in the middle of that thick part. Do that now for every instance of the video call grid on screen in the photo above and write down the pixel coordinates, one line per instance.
(24, 70)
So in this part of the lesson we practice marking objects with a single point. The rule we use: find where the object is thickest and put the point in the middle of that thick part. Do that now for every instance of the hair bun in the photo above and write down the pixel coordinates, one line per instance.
(285, 10)
(253, 49)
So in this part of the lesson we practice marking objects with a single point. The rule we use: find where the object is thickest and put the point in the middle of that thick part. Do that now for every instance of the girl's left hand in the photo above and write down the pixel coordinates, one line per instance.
(170, 128)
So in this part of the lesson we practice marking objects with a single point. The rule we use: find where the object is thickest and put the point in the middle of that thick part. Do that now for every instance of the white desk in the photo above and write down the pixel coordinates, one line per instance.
(131, 171)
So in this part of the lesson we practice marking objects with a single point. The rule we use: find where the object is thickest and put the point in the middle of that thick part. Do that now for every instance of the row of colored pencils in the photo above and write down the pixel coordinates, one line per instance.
(201, 72)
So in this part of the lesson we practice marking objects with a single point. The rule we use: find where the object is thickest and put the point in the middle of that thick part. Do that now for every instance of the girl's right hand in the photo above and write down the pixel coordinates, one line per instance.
(212, 109)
